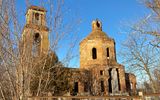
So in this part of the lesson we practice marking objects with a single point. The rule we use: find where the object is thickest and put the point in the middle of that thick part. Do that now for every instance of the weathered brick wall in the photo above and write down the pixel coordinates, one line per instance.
(99, 40)
(31, 28)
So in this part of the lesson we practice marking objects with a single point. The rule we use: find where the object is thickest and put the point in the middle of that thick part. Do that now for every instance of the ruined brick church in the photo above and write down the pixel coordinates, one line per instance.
(99, 72)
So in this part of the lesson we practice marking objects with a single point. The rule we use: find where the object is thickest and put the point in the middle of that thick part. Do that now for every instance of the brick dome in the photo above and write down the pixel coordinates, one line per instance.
(97, 32)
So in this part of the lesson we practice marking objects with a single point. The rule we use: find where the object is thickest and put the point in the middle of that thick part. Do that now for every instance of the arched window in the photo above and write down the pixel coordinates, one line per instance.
(37, 38)
(94, 53)
(98, 24)
(36, 44)
(37, 16)
(107, 51)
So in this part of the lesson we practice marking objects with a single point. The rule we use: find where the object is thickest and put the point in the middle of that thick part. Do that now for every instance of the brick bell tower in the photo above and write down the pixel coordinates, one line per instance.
(34, 44)
(35, 32)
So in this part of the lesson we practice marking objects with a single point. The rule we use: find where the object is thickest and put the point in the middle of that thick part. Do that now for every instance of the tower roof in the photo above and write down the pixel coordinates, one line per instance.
(37, 8)
(97, 31)
(97, 34)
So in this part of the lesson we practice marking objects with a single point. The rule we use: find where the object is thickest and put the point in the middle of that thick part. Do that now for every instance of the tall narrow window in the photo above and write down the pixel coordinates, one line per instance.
(102, 86)
(94, 53)
(36, 44)
(110, 81)
(107, 50)
(76, 87)
(37, 18)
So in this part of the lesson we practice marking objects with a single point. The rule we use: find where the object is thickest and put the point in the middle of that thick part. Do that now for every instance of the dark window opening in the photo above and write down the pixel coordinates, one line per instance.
(107, 52)
(75, 87)
(118, 80)
(85, 87)
(94, 53)
(37, 38)
(37, 16)
(101, 72)
(109, 81)
(102, 86)
(97, 23)
(128, 82)
(36, 45)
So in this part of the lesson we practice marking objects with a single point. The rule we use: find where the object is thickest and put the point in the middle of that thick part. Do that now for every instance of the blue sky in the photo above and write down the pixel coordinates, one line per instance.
(113, 14)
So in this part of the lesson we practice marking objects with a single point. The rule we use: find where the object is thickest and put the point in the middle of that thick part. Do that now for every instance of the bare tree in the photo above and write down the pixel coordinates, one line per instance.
(32, 71)
(150, 23)
(141, 57)
(141, 48)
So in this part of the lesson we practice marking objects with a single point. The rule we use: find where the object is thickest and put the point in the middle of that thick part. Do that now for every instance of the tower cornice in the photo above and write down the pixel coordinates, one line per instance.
(37, 27)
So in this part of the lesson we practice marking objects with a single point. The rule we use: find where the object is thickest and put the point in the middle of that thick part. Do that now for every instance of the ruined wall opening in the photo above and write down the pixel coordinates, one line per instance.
(119, 87)
(127, 82)
(36, 44)
(101, 72)
(85, 86)
(37, 38)
(109, 81)
(102, 86)
(36, 16)
(94, 53)
(107, 51)
(75, 87)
